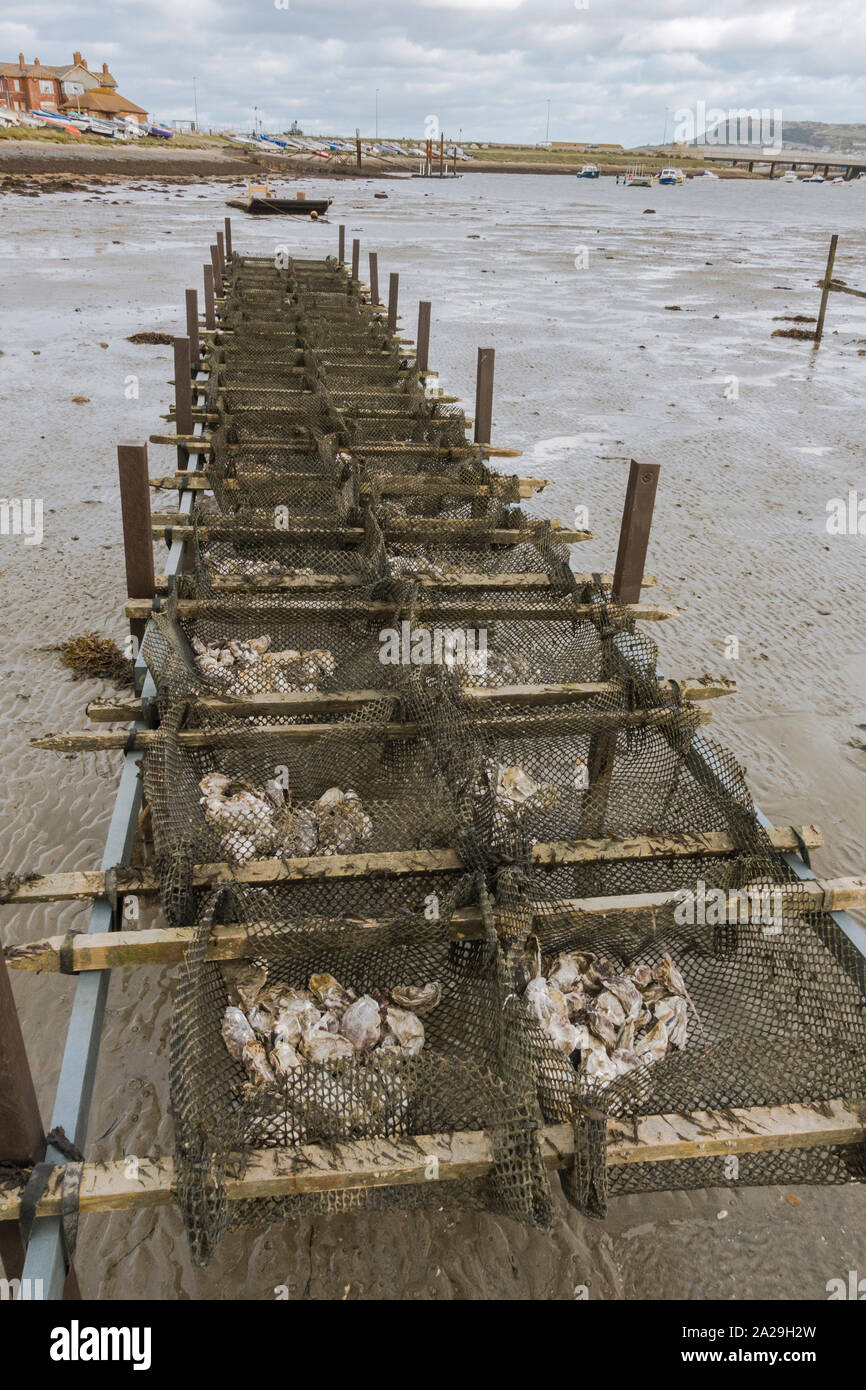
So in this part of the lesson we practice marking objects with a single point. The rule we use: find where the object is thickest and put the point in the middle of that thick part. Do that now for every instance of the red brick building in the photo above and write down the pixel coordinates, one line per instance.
(70, 87)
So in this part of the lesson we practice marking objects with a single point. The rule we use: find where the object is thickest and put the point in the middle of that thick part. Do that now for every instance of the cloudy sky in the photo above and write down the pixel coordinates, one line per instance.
(611, 69)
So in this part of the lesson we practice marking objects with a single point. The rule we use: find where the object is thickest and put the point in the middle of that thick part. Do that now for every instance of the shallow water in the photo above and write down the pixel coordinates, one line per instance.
(591, 368)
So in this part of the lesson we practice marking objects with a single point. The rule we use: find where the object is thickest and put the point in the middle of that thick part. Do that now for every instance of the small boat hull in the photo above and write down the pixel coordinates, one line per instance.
(275, 207)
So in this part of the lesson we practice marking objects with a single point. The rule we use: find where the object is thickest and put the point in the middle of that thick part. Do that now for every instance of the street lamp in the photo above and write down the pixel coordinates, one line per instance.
(547, 132)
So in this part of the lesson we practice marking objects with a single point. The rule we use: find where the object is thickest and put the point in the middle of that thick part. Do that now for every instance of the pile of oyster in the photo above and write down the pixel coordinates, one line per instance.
(272, 1029)
(606, 1020)
(250, 663)
(255, 569)
(256, 821)
(513, 790)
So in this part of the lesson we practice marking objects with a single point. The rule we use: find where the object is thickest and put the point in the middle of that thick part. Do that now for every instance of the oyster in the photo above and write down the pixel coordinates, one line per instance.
(284, 1058)
(516, 791)
(673, 1013)
(236, 1031)
(418, 999)
(407, 1029)
(566, 971)
(610, 1005)
(653, 1046)
(244, 981)
(328, 991)
(666, 974)
(627, 993)
(327, 1047)
(302, 839)
(602, 1025)
(255, 1060)
(362, 1024)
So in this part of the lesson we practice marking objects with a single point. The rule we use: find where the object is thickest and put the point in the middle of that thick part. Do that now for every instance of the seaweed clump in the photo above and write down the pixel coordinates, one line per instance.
(96, 656)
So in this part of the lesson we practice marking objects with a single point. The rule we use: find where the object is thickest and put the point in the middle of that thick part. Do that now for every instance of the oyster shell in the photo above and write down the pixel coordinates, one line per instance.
(284, 1058)
(327, 1047)
(362, 1023)
(407, 1029)
(418, 999)
(255, 1060)
(653, 1046)
(236, 1031)
(328, 991)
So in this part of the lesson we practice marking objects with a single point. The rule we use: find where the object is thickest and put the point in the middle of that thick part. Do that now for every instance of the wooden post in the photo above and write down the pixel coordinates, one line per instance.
(341, 244)
(228, 227)
(825, 292)
(393, 290)
(182, 395)
(217, 272)
(209, 306)
(22, 1138)
(442, 155)
(374, 278)
(137, 539)
(358, 147)
(356, 259)
(634, 534)
(221, 252)
(422, 348)
(484, 395)
(192, 331)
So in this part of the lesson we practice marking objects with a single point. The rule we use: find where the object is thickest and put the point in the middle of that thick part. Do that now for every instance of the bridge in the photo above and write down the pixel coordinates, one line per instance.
(849, 166)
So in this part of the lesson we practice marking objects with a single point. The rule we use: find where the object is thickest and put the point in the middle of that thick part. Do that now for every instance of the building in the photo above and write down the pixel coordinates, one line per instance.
(71, 88)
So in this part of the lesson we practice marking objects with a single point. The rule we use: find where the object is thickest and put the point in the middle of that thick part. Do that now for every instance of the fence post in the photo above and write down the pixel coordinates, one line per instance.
(217, 273)
(637, 515)
(356, 260)
(221, 253)
(422, 347)
(393, 291)
(825, 292)
(484, 395)
(22, 1138)
(228, 226)
(341, 245)
(182, 396)
(137, 535)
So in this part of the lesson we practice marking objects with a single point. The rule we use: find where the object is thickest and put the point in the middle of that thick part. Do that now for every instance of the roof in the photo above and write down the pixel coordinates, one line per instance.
(101, 99)
(29, 70)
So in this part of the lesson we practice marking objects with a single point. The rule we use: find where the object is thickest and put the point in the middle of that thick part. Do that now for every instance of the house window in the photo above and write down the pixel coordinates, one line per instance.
(16, 84)
(47, 88)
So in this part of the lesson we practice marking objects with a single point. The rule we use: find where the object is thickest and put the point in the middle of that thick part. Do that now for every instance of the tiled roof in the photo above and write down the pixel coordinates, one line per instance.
(101, 99)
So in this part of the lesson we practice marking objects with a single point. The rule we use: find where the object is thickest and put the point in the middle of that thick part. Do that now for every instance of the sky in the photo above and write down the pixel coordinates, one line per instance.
(623, 71)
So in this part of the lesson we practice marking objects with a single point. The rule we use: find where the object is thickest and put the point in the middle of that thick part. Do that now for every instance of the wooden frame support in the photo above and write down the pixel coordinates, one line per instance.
(422, 347)
(341, 244)
(227, 223)
(221, 253)
(356, 260)
(209, 303)
(484, 395)
(192, 331)
(135, 513)
(393, 293)
(22, 1138)
(374, 279)
(217, 269)
(825, 292)
(183, 410)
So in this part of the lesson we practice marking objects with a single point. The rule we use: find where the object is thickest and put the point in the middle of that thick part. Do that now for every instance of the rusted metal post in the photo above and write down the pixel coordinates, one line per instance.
(422, 347)
(137, 537)
(341, 245)
(628, 575)
(825, 292)
(374, 278)
(228, 227)
(484, 395)
(221, 252)
(182, 396)
(209, 306)
(356, 259)
(393, 290)
(192, 330)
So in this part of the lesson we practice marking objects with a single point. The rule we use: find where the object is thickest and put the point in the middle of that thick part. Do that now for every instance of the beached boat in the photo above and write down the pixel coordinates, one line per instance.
(261, 200)
(589, 171)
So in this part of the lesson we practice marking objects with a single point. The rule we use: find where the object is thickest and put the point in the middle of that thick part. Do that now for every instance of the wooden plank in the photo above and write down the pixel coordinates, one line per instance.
(135, 514)
(123, 1184)
(828, 277)
(406, 484)
(517, 582)
(563, 610)
(846, 892)
(337, 702)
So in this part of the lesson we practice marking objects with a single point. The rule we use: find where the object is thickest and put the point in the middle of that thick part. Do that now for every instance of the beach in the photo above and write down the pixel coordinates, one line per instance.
(627, 323)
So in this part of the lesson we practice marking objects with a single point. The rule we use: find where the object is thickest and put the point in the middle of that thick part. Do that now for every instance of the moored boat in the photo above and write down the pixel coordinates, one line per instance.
(589, 171)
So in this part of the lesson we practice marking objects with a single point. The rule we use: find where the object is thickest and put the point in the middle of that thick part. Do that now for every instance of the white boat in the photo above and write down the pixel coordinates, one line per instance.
(589, 171)
(672, 176)
(814, 178)
(789, 177)
(706, 174)
(639, 177)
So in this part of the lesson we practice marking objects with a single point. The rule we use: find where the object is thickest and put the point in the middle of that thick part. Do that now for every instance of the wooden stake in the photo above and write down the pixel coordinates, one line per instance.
(484, 395)
(422, 351)
(209, 305)
(22, 1138)
(374, 279)
(135, 512)
(217, 269)
(192, 329)
(552, 611)
(221, 255)
(356, 260)
(341, 244)
(825, 292)
(228, 243)
(183, 411)
(829, 896)
(393, 290)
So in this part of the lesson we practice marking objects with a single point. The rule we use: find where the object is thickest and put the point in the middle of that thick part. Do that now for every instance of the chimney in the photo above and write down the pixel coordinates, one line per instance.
(105, 67)
(78, 60)
(21, 63)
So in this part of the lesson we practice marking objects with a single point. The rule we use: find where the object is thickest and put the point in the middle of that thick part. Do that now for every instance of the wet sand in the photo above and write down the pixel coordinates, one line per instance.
(591, 367)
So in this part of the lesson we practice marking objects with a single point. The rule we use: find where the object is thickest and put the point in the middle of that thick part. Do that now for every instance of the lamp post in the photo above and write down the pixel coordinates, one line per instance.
(547, 132)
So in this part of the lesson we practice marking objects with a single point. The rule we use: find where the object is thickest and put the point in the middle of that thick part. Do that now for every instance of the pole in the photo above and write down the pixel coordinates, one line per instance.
(341, 245)
(217, 272)
(484, 395)
(356, 259)
(228, 227)
(22, 1138)
(192, 331)
(358, 146)
(135, 512)
(374, 278)
(209, 306)
(377, 113)
(825, 292)
(637, 515)
(442, 155)
(393, 290)
(182, 395)
(221, 256)
(422, 350)
(195, 102)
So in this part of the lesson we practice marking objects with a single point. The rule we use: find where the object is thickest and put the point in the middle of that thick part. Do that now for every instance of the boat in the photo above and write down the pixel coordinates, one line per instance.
(589, 171)
(261, 200)
(672, 176)
(814, 178)
(639, 177)
(705, 174)
(789, 177)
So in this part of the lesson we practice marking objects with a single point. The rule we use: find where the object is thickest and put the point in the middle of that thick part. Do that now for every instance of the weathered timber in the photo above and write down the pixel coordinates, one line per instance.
(550, 611)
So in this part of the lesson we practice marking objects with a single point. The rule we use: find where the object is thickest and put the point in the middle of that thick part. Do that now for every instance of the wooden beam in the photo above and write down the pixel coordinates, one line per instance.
(439, 529)
(516, 582)
(135, 514)
(828, 276)
(342, 702)
(550, 611)
(846, 893)
(484, 395)
(410, 484)
(465, 1155)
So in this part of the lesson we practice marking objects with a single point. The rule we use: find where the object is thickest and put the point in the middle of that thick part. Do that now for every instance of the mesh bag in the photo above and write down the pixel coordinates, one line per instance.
(469, 1076)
